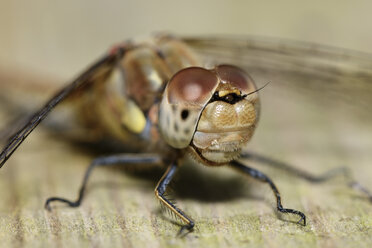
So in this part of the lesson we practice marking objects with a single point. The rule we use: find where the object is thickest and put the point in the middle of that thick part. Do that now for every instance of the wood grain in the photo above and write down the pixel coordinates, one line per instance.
(230, 210)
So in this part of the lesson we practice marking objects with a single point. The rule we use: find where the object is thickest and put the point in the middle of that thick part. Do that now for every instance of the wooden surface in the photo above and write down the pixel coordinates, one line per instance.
(230, 210)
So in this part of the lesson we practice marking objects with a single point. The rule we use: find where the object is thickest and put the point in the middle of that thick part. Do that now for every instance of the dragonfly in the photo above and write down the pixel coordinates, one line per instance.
(164, 104)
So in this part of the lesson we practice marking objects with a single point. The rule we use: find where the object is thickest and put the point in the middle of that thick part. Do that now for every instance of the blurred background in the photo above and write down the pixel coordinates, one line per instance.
(50, 42)
(59, 38)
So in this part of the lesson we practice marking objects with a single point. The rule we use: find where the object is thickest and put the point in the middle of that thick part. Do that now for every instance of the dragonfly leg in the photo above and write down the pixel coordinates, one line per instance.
(160, 191)
(328, 175)
(263, 178)
(123, 159)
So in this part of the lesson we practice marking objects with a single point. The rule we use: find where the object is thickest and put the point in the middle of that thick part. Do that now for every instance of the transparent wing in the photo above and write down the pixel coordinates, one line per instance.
(316, 111)
(328, 76)
(94, 73)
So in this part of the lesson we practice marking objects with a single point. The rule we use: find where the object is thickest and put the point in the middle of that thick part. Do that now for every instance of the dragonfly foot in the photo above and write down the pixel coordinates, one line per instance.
(68, 202)
(185, 229)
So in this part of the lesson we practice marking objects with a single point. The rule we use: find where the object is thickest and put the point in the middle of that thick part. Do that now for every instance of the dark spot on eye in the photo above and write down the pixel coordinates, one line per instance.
(174, 108)
(168, 120)
(184, 114)
(176, 127)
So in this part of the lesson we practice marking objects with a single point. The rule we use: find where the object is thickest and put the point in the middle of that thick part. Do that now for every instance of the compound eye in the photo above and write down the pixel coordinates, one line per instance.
(237, 77)
(192, 85)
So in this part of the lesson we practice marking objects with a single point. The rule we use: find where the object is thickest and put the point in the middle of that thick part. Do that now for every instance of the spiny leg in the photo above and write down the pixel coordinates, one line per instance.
(159, 192)
(262, 177)
(328, 175)
(123, 159)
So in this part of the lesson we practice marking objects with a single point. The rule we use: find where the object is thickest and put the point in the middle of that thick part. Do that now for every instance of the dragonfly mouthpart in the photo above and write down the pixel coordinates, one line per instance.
(220, 147)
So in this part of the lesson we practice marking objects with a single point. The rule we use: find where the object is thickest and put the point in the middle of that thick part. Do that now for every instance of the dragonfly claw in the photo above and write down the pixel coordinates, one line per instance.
(185, 229)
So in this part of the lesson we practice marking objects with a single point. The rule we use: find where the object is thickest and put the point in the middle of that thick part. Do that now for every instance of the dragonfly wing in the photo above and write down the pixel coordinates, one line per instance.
(328, 76)
(316, 109)
(95, 73)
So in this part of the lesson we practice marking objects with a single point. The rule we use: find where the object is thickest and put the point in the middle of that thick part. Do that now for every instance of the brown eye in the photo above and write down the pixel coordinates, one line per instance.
(193, 85)
(237, 77)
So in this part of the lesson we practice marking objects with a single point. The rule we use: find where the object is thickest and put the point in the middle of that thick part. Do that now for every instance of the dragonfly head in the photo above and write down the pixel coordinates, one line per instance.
(213, 113)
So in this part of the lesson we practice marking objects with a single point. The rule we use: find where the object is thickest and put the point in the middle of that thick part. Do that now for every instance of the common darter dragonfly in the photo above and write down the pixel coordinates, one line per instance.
(159, 99)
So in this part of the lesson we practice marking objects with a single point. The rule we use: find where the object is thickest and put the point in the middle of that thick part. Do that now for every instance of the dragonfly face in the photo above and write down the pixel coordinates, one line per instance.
(209, 111)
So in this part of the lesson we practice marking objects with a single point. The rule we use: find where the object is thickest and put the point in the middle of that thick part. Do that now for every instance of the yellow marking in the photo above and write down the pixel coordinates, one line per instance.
(223, 93)
(155, 79)
(133, 118)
